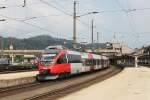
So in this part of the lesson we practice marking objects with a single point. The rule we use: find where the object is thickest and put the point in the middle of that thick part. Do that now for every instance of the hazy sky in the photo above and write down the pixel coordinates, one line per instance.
(126, 20)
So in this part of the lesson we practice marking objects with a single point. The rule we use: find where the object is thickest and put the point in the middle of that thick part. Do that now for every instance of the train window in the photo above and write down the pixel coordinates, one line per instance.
(84, 62)
(89, 62)
(97, 62)
(62, 59)
(94, 61)
(74, 58)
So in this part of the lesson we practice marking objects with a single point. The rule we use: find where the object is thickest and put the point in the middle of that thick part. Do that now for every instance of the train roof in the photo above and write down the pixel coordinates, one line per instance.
(86, 55)
(57, 49)
(53, 49)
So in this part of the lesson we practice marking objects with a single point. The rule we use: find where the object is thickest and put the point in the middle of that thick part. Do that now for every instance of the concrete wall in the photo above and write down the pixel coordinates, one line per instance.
(14, 82)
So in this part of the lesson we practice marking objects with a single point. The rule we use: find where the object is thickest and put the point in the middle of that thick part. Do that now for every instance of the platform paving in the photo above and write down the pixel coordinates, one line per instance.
(10, 76)
(130, 84)
(13, 79)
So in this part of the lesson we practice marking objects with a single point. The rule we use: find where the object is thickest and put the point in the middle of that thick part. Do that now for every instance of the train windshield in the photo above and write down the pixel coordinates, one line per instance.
(46, 59)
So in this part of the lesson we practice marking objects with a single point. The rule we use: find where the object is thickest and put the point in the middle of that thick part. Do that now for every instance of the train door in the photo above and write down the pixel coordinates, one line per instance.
(62, 65)
(85, 63)
(98, 64)
(75, 62)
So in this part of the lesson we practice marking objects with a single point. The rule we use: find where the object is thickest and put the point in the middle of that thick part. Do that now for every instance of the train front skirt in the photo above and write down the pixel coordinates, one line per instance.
(46, 77)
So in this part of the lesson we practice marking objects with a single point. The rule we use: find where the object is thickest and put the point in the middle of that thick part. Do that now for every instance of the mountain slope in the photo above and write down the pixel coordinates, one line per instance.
(40, 42)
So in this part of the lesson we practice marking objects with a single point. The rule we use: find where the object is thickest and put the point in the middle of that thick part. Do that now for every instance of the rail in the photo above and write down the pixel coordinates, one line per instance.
(57, 87)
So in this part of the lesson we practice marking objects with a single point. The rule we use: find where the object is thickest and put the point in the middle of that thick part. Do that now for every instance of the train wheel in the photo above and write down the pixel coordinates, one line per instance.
(64, 75)
(37, 78)
(67, 75)
(61, 76)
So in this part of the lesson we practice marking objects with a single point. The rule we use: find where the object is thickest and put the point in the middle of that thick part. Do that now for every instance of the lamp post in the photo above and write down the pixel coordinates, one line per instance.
(74, 42)
(24, 3)
(2, 51)
(75, 16)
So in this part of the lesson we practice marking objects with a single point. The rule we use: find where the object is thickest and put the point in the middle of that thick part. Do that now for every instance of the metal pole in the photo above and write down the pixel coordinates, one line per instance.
(92, 38)
(2, 47)
(24, 3)
(97, 40)
(11, 49)
(136, 61)
(74, 26)
(92, 33)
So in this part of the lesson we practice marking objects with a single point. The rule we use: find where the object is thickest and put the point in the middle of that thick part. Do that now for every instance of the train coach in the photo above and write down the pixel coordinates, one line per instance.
(60, 63)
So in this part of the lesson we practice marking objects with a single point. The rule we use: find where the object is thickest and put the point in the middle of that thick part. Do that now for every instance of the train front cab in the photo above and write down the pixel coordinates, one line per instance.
(61, 68)
(56, 69)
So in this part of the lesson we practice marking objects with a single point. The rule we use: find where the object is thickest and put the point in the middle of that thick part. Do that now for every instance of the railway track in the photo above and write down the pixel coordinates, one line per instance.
(15, 71)
(54, 89)
(11, 90)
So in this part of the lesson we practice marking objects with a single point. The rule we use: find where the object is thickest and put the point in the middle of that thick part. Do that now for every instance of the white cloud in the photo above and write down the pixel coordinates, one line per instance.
(127, 25)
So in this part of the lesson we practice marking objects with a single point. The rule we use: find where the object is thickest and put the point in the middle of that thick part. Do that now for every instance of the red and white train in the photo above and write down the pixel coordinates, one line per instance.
(56, 62)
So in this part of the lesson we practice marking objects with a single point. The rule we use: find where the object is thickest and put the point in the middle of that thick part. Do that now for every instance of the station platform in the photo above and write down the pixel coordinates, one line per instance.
(130, 84)
(12, 79)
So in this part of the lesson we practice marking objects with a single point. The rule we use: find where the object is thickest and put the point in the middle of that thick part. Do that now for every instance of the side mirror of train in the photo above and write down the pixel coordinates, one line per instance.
(36, 63)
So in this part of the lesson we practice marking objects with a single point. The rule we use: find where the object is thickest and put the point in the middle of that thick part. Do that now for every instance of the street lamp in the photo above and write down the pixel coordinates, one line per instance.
(88, 14)
(74, 23)
(92, 26)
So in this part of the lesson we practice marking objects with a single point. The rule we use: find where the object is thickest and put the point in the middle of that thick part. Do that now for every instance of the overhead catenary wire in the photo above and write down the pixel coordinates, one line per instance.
(119, 4)
(62, 7)
(107, 11)
(132, 23)
(23, 20)
(127, 14)
(17, 6)
(137, 35)
(66, 13)
(27, 23)
(55, 7)
(35, 26)
(87, 24)
(19, 29)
